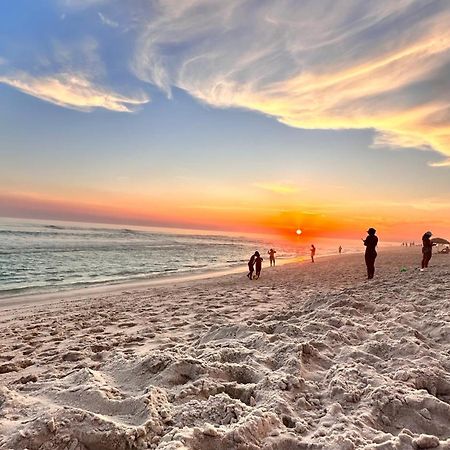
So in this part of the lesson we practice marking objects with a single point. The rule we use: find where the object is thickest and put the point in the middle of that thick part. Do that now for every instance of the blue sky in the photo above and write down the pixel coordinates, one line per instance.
(308, 106)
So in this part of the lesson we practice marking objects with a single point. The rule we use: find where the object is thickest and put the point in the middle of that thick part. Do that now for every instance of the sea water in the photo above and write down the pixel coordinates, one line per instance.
(37, 256)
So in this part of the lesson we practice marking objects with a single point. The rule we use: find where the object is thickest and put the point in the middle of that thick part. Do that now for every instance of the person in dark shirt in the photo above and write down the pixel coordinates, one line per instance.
(427, 249)
(258, 265)
(371, 243)
(271, 253)
(251, 264)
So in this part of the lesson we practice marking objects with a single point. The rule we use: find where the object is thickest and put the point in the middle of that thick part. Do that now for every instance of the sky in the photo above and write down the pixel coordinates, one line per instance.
(245, 115)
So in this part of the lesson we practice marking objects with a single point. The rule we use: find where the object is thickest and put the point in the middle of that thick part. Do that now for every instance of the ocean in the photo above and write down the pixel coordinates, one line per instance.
(38, 256)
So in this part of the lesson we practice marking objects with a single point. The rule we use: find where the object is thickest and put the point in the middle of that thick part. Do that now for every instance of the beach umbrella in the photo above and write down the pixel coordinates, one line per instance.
(440, 241)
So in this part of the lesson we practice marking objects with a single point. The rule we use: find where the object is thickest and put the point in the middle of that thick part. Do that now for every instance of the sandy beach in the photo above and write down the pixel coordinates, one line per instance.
(310, 356)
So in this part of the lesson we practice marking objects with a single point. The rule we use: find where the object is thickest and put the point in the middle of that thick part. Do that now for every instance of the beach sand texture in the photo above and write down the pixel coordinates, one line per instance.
(310, 356)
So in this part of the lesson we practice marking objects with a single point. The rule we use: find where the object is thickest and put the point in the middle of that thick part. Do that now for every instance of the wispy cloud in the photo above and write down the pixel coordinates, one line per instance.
(107, 21)
(277, 188)
(443, 163)
(353, 64)
(81, 4)
(71, 73)
(72, 91)
(318, 65)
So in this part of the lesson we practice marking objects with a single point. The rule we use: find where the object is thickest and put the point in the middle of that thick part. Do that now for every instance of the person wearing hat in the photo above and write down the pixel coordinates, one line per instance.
(427, 249)
(371, 243)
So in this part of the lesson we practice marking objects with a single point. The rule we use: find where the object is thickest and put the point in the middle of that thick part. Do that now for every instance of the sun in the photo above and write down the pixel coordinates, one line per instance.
(299, 232)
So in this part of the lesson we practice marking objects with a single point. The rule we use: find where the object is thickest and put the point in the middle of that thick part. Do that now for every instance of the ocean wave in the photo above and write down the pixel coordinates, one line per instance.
(57, 257)
(54, 227)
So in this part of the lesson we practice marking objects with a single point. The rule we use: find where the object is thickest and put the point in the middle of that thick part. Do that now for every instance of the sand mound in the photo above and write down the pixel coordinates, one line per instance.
(346, 365)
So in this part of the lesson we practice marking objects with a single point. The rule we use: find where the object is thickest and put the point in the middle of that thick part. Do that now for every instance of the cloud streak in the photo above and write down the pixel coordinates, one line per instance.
(277, 188)
(315, 65)
(72, 91)
(350, 64)
(107, 21)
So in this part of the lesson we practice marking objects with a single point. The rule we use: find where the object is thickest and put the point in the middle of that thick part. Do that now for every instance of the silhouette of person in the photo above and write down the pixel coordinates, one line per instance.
(258, 265)
(271, 253)
(371, 243)
(251, 264)
(340, 249)
(427, 249)
(313, 252)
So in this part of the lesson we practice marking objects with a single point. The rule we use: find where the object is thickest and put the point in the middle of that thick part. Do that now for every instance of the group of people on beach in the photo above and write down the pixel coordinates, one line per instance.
(255, 261)
(255, 264)
(370, 255)
(371, 243)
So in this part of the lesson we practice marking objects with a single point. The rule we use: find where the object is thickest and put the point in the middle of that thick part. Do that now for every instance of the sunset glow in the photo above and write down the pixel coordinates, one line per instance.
(243, 116)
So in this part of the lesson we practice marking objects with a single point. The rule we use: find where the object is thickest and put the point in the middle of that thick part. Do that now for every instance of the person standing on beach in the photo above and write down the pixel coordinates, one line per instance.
(251, 264)
(371, 243)
(258, 265)
(340, 249)
(313, 252)
(271, 253)
(427, 250)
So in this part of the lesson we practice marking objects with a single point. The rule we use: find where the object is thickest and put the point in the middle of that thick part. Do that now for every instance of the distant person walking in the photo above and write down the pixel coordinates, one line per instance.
(340, 249)
(251, 264)
(313, 252)
(271, 253)
(371, 243)
(258, 265)
(427, 250)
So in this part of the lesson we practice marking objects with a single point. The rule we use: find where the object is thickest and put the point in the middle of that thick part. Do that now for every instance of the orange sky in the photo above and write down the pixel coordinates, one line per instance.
(262, 215)
(229, 118)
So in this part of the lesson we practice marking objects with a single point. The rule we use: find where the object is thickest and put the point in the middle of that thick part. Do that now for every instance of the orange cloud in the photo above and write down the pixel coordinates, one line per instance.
(385, 69)
(72, 91)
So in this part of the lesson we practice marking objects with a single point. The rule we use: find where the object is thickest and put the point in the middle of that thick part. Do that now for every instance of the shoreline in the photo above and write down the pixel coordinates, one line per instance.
(31, 298)
(22, 299)
(65, 293)
(117, 287)
(79, 277)
(309, 356)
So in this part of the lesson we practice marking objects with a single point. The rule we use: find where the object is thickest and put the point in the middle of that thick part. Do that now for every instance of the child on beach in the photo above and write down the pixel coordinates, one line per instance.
(251, 264)
(258, 265)
(313, 252)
